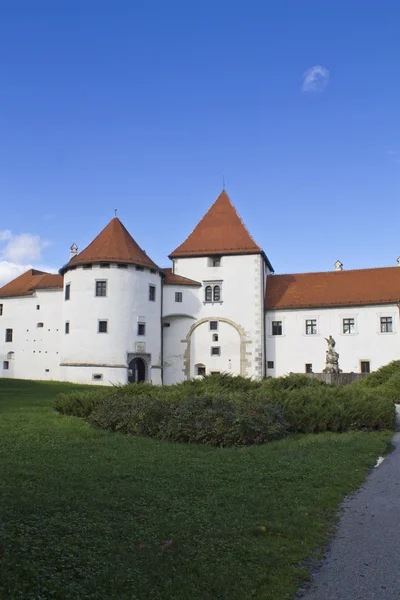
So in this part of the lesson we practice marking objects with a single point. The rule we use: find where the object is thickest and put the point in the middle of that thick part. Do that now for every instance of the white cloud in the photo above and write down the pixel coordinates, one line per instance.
(315, 79)
(18, 253)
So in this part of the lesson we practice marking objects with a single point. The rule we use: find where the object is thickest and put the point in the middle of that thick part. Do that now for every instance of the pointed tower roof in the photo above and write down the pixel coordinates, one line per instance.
(28, 282)
(220, 231)
(115, 245)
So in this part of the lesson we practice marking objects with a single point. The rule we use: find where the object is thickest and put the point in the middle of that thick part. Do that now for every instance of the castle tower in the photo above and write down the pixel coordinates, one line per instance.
(222, 324)
(111, 312)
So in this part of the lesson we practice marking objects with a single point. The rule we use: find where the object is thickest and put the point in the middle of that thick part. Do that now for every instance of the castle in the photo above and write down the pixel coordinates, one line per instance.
(113, 316)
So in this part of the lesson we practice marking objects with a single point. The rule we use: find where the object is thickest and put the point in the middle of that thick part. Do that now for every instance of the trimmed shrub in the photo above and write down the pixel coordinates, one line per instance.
(79, 404)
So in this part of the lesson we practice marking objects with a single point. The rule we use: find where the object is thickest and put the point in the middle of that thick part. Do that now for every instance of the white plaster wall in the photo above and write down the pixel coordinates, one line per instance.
(36, 348)
(111, 376)
(174, 348)
(126, 303)
(201, 342)
(241, 299)
(291, 351)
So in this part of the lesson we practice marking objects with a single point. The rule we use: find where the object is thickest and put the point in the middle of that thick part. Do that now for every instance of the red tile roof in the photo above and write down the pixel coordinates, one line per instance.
(172, 279)
(113, 244)
(334, 288)
(28, 282)
(220, 231)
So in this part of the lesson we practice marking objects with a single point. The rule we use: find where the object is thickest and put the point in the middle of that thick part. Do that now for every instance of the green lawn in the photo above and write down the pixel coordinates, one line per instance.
(85, 514)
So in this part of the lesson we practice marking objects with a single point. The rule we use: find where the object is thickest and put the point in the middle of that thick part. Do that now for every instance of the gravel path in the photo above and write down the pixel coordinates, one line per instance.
(363, 562)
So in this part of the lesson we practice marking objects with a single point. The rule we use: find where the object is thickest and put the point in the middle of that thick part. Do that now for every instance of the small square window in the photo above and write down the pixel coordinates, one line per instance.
(141, 329)
(153, 271)
(37, 306)
(67, 327)
(139, 268)
(87, 266)
(201, 370)
(365, 366)
(166, 324)
(311, 326)
(309, 368)
(349, 326)
(216, 262)
(9, 335)
(152, 293)
(67, 294)
(215, 351)
(122, 266)
(103, 326)
(215, 337)
(6, 365)
(101, 288)
(270, 364)
(386, 325)
(97, 376)
(178, 296)
(104, 265)
(276, 327)
(213, 325)
(39, 324)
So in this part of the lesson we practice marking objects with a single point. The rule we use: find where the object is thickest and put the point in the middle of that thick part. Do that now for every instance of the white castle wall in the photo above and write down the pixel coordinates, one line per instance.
(84, 351)
(36, 349)
(291, 351)
(242, 280)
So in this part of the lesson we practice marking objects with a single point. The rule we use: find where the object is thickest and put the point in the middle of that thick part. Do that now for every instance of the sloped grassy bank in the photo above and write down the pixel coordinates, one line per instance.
(221, 410)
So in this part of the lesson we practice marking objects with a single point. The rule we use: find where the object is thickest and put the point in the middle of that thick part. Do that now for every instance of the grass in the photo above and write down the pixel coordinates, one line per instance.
(86, 514)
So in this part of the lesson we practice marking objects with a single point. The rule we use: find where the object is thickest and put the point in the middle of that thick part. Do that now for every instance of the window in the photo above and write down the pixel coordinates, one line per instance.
(104, 265)
(97, 376)
(276, 327)
(103, 326)
(215, 337)
(122, 266)
(1, 309)
(215, 351)
(166, 324)
(6, 365)
(141, 328)
(67, 327)
(216, 262)
(311, 326)
(153, 271)
(212, 292)
(215, 372)
(270, 364)
(178, 296)
(87, 266)
(152, 293)
(9, 335)
(39, 325)
(138, 268)
(37, 306)
(349, 326)
(67, 295)
(201, 370)
(386, 325)
(213, 325)
(365, 366)
(101, 288)
(308, 368)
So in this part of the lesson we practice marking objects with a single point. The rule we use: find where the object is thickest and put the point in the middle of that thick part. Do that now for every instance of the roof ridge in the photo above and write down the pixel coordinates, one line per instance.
(334, 271)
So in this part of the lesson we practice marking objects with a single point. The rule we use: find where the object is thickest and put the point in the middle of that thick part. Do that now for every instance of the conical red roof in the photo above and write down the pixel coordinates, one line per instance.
(220, 231)
(114, 244)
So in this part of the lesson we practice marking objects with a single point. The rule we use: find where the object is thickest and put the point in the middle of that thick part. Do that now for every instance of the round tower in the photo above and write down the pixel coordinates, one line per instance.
(111, 331)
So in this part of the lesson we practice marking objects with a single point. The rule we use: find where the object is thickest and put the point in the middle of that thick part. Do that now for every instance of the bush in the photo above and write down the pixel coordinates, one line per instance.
(79, 404)
(215, 421)
(381, 376)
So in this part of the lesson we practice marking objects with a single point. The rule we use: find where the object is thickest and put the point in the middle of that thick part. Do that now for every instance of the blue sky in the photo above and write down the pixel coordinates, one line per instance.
(145, 106)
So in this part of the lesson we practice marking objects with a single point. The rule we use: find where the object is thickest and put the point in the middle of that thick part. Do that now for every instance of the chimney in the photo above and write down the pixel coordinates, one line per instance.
(338, 266)
(398, 261)
(73, 251)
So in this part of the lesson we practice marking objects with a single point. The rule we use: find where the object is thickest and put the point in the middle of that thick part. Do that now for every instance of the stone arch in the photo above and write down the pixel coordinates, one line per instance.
(146, 358)
(244, 362)
(10, 355)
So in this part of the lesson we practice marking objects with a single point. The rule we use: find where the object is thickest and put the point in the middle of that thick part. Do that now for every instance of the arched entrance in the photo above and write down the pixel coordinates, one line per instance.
(137, 371)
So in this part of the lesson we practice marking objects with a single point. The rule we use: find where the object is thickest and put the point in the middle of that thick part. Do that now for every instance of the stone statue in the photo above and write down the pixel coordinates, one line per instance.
(332, 357)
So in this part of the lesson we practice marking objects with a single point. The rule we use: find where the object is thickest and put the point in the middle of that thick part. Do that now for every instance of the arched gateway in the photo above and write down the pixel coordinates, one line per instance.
(137, 371)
